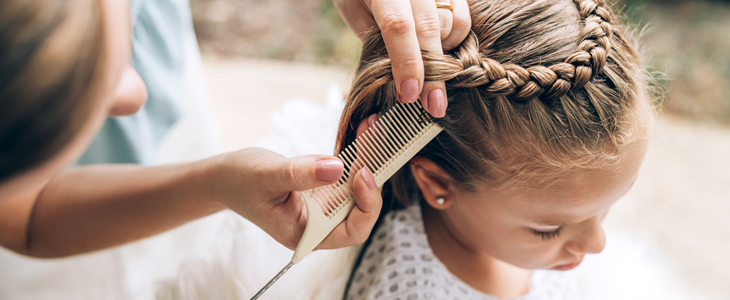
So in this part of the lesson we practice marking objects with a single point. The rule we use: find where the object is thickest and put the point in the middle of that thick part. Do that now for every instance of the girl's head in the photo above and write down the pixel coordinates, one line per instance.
(546, 128)
(64, 67)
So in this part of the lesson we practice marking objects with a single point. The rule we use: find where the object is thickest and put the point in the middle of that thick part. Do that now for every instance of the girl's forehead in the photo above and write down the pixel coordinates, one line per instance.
(576, 196)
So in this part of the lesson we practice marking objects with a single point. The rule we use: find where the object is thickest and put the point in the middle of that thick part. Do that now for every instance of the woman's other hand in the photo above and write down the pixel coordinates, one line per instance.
(407, 27)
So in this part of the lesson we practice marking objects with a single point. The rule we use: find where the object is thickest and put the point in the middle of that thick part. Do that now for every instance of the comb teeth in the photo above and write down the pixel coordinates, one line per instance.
(377, 148)
(397, 136)
(384, 148)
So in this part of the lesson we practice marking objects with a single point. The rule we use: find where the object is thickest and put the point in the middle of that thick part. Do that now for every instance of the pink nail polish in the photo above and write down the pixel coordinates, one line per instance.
(409, 90)
(437, 103)
(328, 169)
(372, 119)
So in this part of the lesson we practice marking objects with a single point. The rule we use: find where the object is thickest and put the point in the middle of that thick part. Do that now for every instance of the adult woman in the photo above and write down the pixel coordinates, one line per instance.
(63, 69)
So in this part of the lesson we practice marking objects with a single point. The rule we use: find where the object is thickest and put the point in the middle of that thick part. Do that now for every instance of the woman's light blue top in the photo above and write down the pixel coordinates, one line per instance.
(158, 56)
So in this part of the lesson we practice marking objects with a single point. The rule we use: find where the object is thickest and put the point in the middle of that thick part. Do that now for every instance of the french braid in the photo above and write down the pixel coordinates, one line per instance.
(466, 69)
(534, 89)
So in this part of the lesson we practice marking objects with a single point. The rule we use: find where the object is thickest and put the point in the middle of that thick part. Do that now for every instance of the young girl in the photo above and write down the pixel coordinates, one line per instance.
(546, 128)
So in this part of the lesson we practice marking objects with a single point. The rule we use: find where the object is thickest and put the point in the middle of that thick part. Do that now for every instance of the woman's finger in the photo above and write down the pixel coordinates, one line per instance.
(356, 228)
(366, 124)
(428, 30)
(395, 20)
(446, 18)
(461, 25)
(305, 172)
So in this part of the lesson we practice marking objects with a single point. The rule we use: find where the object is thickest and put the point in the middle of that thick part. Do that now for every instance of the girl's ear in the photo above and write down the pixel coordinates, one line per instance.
(436, 185)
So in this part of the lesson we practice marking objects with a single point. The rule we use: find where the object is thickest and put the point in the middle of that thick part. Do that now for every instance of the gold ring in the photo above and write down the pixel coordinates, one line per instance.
(444, 5)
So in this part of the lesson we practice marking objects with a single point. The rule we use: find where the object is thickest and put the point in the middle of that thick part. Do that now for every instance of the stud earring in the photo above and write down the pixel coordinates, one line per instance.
(440, 200)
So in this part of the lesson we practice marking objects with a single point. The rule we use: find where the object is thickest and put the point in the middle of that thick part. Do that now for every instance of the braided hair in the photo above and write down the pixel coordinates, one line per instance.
(537, 89)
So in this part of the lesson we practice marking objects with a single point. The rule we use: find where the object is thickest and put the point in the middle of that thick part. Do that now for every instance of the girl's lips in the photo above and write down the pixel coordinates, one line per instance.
(568, 266)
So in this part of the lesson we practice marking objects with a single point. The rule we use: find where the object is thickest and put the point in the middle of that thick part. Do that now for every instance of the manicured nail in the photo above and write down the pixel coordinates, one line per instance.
(437, 103)
(328, 169)
(372, 119)
(369, 179)
(409, 90)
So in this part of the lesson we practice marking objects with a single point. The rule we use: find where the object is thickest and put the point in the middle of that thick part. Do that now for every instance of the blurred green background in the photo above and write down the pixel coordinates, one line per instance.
(686, 43)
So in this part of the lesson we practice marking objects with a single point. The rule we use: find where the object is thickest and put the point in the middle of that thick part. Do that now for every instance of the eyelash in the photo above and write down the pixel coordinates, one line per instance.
(547, 235)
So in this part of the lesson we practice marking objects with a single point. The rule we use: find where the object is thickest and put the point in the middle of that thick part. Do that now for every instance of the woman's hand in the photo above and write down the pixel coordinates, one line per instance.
(409, 26)
(263, 186)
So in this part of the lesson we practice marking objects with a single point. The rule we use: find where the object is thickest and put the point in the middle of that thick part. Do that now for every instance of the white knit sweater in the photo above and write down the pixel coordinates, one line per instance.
(399, 264)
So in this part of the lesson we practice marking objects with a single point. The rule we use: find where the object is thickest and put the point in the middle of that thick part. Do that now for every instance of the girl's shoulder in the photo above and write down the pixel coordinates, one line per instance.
(399, 264)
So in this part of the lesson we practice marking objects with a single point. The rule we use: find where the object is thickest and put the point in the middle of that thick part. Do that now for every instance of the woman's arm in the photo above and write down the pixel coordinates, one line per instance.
(96, 207)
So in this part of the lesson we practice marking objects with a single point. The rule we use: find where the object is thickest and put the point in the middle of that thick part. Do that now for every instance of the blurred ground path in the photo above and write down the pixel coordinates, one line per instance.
(680, 202)
(244, 93)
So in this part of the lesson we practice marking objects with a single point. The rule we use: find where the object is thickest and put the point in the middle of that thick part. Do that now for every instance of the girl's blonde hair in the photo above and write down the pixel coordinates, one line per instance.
(538, 89)
(51, 66)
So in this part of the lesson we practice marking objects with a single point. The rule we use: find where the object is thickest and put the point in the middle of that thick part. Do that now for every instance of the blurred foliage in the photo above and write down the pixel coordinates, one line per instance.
(687, 43)
(301, 30)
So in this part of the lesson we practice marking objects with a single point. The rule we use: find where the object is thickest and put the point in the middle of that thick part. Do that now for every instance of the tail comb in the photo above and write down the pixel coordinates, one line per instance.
(397, 136)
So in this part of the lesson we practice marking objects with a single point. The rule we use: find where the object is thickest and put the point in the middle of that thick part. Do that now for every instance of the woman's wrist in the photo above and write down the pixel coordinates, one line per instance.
(202, 182)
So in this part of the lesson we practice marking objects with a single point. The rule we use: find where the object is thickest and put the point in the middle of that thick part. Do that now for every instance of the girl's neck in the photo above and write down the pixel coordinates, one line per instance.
(477, 269)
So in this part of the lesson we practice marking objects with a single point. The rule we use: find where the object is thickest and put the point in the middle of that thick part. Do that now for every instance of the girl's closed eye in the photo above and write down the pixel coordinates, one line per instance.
(546, 235)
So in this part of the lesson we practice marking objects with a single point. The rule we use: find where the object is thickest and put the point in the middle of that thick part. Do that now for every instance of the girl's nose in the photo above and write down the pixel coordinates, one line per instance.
(129, 95)
(588, 238)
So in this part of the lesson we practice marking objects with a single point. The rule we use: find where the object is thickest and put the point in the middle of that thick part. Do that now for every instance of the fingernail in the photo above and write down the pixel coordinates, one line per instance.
(437, 103)
(328, 169)
(369, 179)
(372, 119)
(409, 90)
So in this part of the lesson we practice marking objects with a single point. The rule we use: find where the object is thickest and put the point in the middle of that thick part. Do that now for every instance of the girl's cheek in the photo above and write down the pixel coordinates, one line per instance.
(549, 250)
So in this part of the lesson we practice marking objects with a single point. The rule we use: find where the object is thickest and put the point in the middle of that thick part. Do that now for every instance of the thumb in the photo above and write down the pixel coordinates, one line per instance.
(306, 172)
